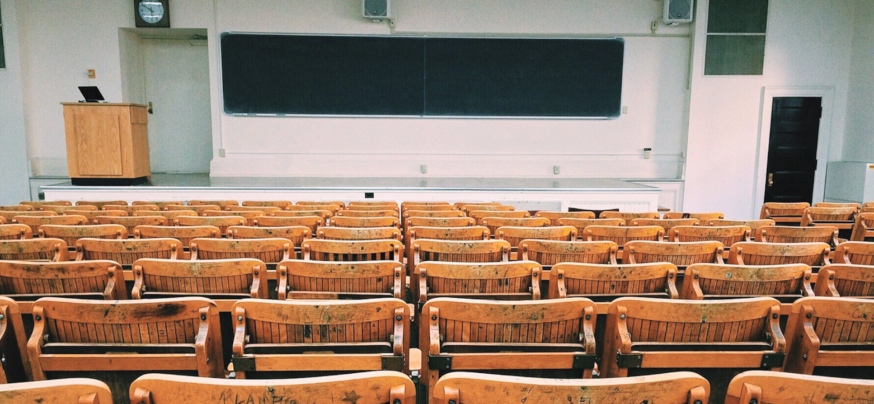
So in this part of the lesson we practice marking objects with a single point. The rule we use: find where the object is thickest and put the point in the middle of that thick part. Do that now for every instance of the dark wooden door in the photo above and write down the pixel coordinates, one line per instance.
(792, 149)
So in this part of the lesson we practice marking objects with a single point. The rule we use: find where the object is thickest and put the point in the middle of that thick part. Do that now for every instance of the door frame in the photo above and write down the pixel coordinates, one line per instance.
(822, 142)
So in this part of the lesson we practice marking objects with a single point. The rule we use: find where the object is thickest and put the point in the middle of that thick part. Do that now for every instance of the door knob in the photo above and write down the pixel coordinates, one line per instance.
(770, 179)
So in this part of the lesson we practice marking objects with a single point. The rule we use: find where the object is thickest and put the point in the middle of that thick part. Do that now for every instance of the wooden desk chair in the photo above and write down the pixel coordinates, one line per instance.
(300, 279)
(785, 283)
(224, 203)
(727, 235)
(712, 338)
(113, 339)
(607, 282)
(666, 224)
(703, 217)
(295, 234)
(556, 336)
(12, 214)
(330, 208)
(847, 280)
(493, 223)
(825, 335)
(349, 221)
(367, 213)
(100, 204)
(269, 204)
(182, 233)
(72, 234)
(16, 208)
(15, 232)
(311, 222)
(125, 252)
(449, 213)
(679, 254)
(267, 210)
(624, 234)
(552, 252)
(674, 387)
(359, 233)
(63, 209)
(38, 204)
(161, 204)
(581, 224)
(74, 390)
(517, 280)
(855, 252)
(479, 215)
(629, 216)
(28, 281)
(249, 215)
(38, 249)
(13, 345)
(353, 250)
(131, 209)
(842, 218)
(222, 222)
(376, 387)
(130, 222)
(320, 335)
(554, 216)
(198, 209)
(514, 235)
(416, 221)
(440, 233)
(793, 234)
(863, 229)
(754, 253)
(778, 387)
(784, 213)
(269, 250)
(36, 221)
(223, 281)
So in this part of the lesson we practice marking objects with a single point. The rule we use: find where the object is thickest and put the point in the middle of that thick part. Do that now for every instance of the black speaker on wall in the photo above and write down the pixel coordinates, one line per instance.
(678, 11)
(376, 9)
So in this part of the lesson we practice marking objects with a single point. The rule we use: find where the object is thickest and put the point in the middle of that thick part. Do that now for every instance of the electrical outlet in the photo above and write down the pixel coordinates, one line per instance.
(423, 168)
(221, 152)
(556, 169)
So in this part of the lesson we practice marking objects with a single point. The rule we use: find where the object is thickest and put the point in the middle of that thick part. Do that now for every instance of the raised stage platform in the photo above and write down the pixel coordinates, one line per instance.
(524, 193)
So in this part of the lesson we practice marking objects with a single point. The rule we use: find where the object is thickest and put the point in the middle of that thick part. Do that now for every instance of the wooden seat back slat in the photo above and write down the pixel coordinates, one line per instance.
(318, 279)
(599, 281)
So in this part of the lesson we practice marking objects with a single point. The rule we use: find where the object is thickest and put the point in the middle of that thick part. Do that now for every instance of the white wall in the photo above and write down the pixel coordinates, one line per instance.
(860, 104)
(13, 154)
(808, 45)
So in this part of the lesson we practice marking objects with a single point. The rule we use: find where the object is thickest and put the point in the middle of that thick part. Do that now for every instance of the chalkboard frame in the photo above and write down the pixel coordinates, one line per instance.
(606, 77)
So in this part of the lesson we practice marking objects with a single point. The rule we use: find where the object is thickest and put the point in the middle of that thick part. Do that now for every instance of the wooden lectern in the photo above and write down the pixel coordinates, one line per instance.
(107, 143)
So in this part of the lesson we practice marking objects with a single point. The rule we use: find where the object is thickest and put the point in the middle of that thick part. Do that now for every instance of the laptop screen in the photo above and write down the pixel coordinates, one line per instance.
(91, 93)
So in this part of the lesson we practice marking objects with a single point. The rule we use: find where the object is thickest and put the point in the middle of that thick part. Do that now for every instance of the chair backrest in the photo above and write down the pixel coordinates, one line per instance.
(312, 222)
(268, 250)
(842, 217)
(601, 282)
(581, 224)
(469, 209)
(411, 207)
(629, 216)
(757, 386)
(554, 216)
(161, 204)
(479, 215)
(857, 206)
(36, 221)
(623, 234)
(314, 327)
(702, 216)
(130, 222)
(461, 204)
(460, 251)
(514, 234)
(752, 224)
(416, 221)
(63, 209)
(182, 233)
(73, 390)
(101, 204)
(376, 387)
(783, 212)
(323, 214)
(551, 252)
(373, 205)
(16, 208)
(15, 232)
(727, 235)
(846, 280)
(359, 233)
(735, 333)
(855, 252)
(9, 215)
(249, 215)
(37, 249)
(794, 234)
(825, 332)
(379, 221)
(863, 229)
(755, 253)
(295, 234)
(214, 279)
(492, 223)
(220, 202)
(367, 213)
(92, 215)
(253, 208)
(38, 204)
(274, 203)
(198, 209)
(72, 234)
(125, 252)
(449, 213)
(222, 222)
(131, 209)
(28, 281)
(299, 279)
(440, 233)
(13, 345)
(673, 387)
(337, 205)
(353, 250)
(718, 281)
(680, 254)
(666, 224)
(517, 280)
(332, 209)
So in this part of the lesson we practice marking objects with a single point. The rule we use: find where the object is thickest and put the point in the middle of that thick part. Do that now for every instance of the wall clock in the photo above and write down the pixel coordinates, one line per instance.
(152, 13)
